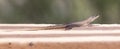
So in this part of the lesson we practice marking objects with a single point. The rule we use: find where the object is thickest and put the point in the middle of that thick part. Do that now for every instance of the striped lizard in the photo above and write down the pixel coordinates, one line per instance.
(85, 22)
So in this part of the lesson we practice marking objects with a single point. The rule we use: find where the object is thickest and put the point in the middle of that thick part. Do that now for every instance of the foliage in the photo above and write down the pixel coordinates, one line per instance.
(58, 11)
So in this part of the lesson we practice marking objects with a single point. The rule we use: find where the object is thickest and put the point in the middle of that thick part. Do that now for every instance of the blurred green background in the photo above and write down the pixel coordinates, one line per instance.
(58, 11)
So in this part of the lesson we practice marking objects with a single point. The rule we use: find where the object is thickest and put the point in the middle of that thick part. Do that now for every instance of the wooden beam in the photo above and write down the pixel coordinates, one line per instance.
(98, 36)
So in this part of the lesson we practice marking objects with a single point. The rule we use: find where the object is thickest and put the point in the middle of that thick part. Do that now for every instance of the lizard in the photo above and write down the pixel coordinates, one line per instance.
(85, 22)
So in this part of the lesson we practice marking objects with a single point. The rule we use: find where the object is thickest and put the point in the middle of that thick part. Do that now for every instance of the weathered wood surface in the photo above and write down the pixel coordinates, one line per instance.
(97, 36)
(26, 27)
